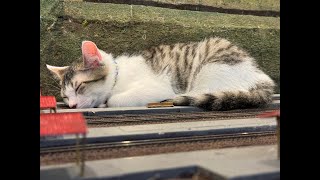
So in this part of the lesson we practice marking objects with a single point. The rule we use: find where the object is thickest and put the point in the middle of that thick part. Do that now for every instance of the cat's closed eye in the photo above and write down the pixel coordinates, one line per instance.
(76, 90)
(83, 84)
(80, 88)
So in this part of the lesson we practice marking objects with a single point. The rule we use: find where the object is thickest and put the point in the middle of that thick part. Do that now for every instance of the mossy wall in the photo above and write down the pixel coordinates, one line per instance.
(120, 28)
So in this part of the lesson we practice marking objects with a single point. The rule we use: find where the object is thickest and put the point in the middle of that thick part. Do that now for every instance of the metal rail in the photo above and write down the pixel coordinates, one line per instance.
(123, 144)
(116, 120)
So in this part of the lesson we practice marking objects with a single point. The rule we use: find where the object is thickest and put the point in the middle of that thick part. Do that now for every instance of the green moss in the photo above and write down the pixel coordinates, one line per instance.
(231, 4)
(50, 9)
(115, 31)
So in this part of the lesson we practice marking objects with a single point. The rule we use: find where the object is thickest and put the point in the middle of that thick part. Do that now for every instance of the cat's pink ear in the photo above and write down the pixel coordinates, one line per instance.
(91, 55)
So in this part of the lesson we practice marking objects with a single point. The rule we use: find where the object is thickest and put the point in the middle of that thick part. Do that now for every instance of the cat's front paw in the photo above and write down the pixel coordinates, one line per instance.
(102, 106)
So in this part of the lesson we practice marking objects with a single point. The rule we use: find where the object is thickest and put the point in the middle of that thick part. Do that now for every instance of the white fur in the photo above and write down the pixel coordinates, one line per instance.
(137, 85)
(56, 70)
(222, 77)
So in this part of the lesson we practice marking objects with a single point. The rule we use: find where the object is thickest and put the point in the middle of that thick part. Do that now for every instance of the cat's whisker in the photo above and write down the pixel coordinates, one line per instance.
(84, 103)
(54, 92)
(51, 85)
(54, 87)
(55, 80)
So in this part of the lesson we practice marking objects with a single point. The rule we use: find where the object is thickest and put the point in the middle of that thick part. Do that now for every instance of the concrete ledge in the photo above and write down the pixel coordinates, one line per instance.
(130, 110)
(168, 130)
(235, 7)
(224, 4)
(257, 162)
(140, 110)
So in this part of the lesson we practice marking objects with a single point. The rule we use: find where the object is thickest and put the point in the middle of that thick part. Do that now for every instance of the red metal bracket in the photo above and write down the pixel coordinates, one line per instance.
(52, 124)
(48, 102)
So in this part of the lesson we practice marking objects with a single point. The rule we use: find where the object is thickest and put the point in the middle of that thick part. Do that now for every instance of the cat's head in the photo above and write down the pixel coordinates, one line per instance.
(82, 83)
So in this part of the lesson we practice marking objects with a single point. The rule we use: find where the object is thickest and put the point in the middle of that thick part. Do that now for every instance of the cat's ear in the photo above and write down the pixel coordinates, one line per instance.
(58, 71)
(91, 55)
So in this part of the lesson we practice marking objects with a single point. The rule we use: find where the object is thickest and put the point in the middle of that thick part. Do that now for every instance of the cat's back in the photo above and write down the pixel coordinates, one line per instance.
(187, 56)
(221, 51)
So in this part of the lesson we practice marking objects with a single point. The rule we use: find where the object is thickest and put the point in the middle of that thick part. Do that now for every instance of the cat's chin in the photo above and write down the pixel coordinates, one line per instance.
(84, 107)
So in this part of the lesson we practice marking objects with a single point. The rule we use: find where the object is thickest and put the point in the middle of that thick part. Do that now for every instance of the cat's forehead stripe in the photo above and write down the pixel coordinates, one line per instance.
(68, 76)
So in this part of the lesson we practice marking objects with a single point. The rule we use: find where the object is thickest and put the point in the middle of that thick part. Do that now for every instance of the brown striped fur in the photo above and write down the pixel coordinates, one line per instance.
(184, 61)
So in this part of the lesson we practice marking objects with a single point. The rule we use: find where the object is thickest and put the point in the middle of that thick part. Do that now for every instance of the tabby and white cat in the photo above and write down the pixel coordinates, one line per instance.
(212, 74)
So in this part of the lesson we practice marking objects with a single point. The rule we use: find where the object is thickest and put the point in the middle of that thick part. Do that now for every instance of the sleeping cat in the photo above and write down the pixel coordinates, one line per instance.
(212, 74)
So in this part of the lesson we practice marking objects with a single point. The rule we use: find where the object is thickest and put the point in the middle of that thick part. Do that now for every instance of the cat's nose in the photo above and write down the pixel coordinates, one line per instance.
(73, 106)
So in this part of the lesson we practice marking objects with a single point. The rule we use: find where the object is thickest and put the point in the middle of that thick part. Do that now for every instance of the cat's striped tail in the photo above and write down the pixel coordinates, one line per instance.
(255, 97)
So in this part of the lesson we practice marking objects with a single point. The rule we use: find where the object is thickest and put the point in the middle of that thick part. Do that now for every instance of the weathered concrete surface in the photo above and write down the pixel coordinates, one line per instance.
(139, 110)
(257, 162)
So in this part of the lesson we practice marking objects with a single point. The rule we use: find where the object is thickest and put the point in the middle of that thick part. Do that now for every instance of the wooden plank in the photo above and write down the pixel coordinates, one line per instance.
(163, 104)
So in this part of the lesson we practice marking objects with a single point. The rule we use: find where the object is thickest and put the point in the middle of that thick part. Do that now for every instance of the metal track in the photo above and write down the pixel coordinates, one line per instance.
(125, 144)
(135, 119)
